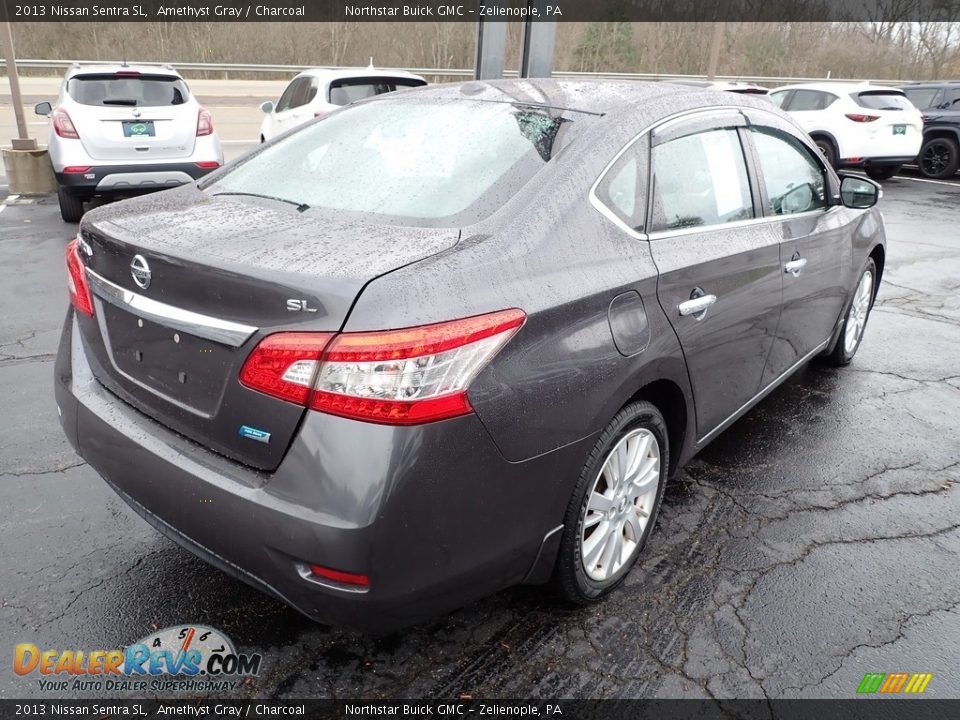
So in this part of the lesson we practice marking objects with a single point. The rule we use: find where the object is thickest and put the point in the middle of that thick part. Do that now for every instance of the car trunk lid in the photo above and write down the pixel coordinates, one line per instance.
(185, 287)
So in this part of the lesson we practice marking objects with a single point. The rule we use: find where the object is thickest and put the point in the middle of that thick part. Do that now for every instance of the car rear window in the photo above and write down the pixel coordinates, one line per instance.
(442, 163)
(882, 100)
(923, 98)
(128, 90)
(348, 90)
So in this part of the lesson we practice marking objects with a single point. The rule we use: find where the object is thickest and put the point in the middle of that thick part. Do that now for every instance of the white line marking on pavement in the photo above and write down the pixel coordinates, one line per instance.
(933, 182)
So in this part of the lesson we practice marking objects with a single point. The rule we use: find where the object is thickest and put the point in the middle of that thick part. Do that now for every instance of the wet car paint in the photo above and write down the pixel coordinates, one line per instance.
(815, 538)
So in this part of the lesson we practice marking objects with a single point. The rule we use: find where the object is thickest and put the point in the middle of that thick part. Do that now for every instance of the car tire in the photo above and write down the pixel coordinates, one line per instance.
(825, 145)
(882, 172)
(625, 516)
(71, 207)
(855, 321)
(939, 158)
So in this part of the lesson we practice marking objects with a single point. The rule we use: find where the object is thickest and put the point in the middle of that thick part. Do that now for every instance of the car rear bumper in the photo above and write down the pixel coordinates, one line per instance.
(433, 514)
(131, 178)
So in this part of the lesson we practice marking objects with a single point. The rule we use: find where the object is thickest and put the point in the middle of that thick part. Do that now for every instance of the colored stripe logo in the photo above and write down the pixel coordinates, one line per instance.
(894, 683)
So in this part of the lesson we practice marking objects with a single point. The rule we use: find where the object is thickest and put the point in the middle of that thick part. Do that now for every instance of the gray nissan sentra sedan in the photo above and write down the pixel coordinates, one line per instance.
(457, 338)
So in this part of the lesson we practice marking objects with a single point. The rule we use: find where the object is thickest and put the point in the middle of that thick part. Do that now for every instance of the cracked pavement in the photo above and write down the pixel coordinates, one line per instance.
(816, 540)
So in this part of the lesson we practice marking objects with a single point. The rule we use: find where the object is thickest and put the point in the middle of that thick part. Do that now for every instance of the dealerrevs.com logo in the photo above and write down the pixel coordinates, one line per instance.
(183, 657)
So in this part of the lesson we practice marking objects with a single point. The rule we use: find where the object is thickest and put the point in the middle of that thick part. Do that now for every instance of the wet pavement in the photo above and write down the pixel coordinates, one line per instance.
(816, 540)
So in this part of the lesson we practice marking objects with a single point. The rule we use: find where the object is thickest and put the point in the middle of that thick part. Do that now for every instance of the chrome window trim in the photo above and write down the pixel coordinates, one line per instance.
(205, 326)
(611, 215)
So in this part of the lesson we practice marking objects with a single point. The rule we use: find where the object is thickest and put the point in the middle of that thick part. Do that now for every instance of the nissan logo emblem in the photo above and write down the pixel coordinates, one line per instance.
(140, 271)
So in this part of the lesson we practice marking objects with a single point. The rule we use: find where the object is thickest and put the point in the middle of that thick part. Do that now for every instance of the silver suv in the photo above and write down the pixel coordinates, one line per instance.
(120, 129)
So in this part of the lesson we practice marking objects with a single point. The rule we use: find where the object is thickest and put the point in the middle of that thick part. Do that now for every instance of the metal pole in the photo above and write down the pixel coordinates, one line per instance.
(718, 30)
(539, 39)
(491, 48)
(22, 141)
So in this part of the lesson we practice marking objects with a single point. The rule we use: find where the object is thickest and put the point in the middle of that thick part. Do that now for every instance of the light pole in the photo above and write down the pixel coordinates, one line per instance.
(22, 141)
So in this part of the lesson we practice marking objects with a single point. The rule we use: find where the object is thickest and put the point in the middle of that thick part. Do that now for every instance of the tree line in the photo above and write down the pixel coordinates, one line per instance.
(884, 50)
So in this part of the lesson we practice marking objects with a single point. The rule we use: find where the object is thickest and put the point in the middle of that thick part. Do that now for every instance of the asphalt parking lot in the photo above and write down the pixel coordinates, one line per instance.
(816, 540)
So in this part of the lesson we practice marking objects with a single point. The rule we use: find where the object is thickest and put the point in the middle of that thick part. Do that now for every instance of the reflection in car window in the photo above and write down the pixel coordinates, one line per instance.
(700, 179)
(405, 162)
(794, 180)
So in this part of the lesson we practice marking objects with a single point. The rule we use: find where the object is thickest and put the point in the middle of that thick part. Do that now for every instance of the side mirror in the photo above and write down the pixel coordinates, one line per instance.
(858, 192)
(266, 107)
(43, 108)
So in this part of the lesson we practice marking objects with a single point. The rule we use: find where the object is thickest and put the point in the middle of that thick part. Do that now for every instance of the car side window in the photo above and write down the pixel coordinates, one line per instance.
(923, 98)
(779, 98)
(793, 178)
(700, 179)
(284, 102)
(952, 98)
(300, 93)
(810, 100)
(623, 189)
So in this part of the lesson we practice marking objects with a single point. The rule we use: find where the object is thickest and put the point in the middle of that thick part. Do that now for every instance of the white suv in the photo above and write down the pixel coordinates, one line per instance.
(318, 91)
(856, 124)
(120, 129)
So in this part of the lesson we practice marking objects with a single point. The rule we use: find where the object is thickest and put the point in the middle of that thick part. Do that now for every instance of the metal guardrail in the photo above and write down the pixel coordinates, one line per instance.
(451, 73)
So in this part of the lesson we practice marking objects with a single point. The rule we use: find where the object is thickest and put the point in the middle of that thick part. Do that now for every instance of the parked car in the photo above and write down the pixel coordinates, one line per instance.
(316, 92)
(856, 124)
(940, 103)
(120, 129)
(729, 85)
(447, 341)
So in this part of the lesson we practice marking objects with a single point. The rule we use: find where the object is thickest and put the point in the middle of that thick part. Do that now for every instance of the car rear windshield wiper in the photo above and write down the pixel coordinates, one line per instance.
(119, 101)
(301, 207)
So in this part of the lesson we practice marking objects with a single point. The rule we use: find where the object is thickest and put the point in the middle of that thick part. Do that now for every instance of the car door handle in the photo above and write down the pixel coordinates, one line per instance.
(697, 305)
(795, 266)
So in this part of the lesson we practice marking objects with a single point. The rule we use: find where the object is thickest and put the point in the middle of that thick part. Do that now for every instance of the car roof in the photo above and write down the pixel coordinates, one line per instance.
(113, 67)
(731, 85)
(838, 87)
(328, 74)
(640, 99)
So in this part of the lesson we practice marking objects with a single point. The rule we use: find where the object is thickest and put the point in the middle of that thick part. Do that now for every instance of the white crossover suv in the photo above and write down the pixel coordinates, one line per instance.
(318, 91)
(120, 129)
(856, 124)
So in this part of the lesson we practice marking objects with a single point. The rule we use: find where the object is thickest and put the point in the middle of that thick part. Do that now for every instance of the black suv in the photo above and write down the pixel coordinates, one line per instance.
(940, 104)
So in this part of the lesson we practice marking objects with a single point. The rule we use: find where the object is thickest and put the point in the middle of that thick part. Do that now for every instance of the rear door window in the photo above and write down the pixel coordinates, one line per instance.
(882, 100)
(349, 90)
(700, 180)
(779, 98)
(131, 90)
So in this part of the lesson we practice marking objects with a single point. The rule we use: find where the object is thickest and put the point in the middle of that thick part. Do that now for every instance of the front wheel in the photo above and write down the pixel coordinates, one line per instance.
(939, 158)
(851, 334)
(614, 504)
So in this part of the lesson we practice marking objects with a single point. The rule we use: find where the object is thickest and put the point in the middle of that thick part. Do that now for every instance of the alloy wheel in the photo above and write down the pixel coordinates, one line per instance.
(620, 504)
(936, 157)
(857, 317)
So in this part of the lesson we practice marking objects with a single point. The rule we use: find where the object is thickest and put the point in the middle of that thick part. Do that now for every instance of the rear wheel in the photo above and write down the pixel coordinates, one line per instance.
(71, 207)
(826, 149)
(614, 505)
(851, 334)
(882, 172)
(939, 157)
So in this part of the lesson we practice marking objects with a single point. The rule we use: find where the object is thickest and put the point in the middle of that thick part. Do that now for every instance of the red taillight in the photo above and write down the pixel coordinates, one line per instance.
(127, 73)
(395, 377)
(346, 578)
(204, 123)
(283, 365)
(857, 117)
(63, 125)
(76, 169)
(77, 280)
(208, 164)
